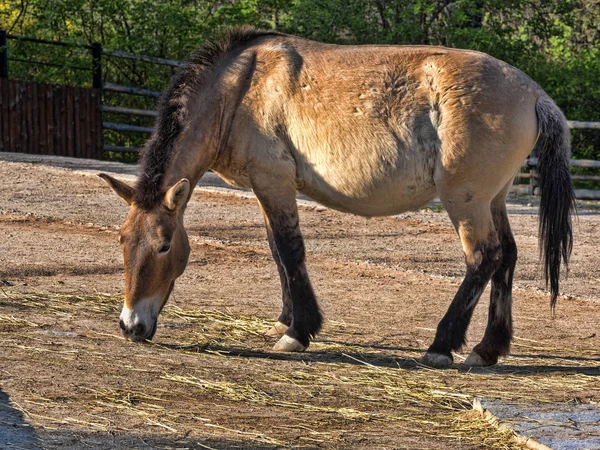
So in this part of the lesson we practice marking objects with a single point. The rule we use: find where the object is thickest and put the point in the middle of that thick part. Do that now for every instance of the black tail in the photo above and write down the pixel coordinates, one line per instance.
(556, 189)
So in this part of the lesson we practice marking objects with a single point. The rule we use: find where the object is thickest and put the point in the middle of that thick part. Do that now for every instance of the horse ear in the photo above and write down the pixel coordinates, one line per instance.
(177, 196)
(124, 191)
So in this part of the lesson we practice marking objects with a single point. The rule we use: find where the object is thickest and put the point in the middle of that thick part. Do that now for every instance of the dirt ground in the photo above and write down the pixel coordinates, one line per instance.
(210, 378)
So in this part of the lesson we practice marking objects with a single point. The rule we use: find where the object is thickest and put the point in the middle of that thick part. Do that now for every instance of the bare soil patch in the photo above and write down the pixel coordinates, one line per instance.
(211, 380)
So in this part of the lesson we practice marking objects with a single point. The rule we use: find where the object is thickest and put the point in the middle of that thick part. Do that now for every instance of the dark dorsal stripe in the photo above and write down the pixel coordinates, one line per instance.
(157, 152)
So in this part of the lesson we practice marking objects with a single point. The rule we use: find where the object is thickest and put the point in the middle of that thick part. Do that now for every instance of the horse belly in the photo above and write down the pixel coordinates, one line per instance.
(383, 192)
(373, 154)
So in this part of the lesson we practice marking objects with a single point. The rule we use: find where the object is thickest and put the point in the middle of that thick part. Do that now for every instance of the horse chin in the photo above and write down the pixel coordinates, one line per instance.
(153, 331)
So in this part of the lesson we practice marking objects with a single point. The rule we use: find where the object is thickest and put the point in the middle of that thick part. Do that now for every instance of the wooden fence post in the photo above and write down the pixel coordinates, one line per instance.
(97, 65)
(96, 106)
(3, 55)
(533, 172)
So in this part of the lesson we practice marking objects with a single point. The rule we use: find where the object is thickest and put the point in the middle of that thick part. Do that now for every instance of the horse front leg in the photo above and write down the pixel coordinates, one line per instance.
(276, 193)
(285, 318)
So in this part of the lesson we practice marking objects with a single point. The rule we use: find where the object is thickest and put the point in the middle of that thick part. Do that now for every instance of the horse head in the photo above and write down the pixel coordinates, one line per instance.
(155, 253)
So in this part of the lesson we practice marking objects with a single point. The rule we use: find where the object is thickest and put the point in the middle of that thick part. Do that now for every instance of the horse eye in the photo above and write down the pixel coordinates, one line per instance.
(165, 248)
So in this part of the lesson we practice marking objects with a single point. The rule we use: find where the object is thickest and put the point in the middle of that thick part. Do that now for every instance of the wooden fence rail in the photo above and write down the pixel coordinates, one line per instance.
(18, 133)
(574, 124)
(145, 58)
(125, 127)
(129, 111)
(131, 90)
(532, 188)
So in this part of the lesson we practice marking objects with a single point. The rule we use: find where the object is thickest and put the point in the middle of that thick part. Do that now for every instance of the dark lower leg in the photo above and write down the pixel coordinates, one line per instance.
(306, 317)
(300, 309)
(274, 184)
(452, 329)
(498, 333)
(286, 313)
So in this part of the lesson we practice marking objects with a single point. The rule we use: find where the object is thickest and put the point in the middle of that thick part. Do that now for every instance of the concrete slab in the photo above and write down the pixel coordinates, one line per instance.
(565, 426)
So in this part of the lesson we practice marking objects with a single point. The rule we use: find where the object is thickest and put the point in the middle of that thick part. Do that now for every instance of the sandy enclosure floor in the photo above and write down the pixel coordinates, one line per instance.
(211, 380)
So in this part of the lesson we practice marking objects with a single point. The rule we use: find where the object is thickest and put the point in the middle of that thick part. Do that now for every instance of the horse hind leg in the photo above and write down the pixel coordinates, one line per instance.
(499, 330)
(473, 221)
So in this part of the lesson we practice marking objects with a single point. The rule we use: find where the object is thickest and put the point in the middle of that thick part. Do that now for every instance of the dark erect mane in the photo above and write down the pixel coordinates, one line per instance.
(157, 152)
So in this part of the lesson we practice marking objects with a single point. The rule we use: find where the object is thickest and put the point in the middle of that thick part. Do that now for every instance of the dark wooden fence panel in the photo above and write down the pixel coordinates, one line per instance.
(48, 119)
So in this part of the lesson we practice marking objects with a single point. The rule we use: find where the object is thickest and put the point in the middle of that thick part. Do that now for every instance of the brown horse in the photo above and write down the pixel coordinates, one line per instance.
(370, 130)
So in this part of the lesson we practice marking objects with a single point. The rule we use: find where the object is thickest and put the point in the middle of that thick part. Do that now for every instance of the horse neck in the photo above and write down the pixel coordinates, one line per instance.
(196, 148)
(208, 120)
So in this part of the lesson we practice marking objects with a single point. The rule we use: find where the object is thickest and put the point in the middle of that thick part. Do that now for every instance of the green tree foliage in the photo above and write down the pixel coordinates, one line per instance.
(556, 42)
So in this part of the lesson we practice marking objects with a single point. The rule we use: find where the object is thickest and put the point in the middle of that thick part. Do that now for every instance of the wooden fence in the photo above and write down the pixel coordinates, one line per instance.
(93, 107)
(50, 120)
(532, 188)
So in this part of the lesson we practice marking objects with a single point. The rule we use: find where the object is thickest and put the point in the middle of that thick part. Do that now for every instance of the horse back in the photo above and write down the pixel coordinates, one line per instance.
(368, 127)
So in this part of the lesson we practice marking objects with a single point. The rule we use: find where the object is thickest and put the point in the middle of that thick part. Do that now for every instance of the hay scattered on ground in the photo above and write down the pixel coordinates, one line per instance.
(338, 383)
(61, 304)
(17, 322)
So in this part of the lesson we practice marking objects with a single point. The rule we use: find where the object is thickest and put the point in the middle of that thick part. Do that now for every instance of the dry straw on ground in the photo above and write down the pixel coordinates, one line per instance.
(341, 384)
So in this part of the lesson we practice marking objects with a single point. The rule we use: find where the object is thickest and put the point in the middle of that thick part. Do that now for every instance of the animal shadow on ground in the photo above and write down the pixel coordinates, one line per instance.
(76, 440)
(15, 432)
(406, 363)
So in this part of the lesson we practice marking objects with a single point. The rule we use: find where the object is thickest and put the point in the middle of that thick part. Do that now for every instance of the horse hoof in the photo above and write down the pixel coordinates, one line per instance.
(277, 330)
(288, 344)
(474, 360)
(436, 360)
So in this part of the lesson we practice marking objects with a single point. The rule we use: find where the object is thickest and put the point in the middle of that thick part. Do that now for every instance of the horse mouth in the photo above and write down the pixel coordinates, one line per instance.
(148, 335)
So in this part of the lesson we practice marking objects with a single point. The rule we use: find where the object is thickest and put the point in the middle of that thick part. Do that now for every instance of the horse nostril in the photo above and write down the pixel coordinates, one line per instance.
(139, 329)
(122, 325)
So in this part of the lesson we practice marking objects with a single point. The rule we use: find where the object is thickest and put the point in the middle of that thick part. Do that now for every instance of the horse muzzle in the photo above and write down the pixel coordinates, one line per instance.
(139, 323)
(138, 332)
